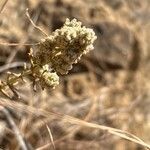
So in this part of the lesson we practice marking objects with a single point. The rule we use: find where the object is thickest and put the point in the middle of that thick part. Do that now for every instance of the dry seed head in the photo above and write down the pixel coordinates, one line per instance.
(50, 79)
(65, 46)
(46, 77)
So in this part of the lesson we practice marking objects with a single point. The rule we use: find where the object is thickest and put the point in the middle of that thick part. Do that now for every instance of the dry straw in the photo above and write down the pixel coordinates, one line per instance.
(72, 120)
(55, 55)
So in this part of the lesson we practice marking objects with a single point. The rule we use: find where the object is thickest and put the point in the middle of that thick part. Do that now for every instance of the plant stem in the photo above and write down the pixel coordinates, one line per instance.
(15, 79)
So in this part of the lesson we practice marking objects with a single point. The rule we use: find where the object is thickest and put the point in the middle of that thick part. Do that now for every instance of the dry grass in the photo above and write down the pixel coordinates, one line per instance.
(102, 100)
(72, 120)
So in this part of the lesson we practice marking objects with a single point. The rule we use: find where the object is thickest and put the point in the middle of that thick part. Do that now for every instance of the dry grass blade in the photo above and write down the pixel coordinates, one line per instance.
(14, 128)
(120, 133)
(73, 120)
(72, 131)
(3, 5)
(51, 136)
(18, 44)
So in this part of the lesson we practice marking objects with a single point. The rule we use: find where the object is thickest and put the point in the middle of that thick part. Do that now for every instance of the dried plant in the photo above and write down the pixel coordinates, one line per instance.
(55, 55)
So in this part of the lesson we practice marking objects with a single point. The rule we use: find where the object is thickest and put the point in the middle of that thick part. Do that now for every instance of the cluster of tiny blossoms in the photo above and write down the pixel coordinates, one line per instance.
(62, 49)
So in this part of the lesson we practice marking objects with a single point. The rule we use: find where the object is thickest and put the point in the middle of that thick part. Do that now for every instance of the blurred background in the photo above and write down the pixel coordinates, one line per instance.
(109, 86)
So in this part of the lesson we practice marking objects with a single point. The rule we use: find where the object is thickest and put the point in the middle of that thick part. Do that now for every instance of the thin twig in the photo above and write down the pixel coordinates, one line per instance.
(14, 128)
(38, 28)
(51, 136)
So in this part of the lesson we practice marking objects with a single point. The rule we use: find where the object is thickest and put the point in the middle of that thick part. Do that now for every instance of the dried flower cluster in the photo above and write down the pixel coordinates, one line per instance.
(55, 55)
(61, 49)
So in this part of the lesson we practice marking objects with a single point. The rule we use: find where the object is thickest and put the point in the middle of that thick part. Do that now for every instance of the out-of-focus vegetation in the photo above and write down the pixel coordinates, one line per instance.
(110, 86)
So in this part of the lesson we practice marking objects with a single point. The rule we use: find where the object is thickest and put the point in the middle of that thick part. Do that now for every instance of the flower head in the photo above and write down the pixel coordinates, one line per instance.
(65, 46)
